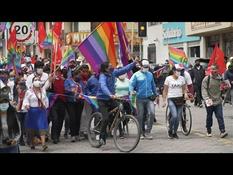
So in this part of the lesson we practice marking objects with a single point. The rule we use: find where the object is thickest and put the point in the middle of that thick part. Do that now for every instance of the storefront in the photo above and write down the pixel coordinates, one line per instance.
(174, 35)
(220, 33)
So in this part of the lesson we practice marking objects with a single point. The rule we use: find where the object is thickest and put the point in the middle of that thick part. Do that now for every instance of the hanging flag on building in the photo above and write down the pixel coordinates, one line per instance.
(99, 46)
(177, 56)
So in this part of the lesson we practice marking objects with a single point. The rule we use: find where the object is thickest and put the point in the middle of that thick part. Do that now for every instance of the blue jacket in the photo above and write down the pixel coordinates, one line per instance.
(107, 81)
(92, 85)
(69, 85)
(143, 84)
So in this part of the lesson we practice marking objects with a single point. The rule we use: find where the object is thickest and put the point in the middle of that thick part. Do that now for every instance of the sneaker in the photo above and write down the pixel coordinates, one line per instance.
(209, 134)
(201, 105)
(102, 142)
(66, 136)
(223, 134)
(170, 135)
(148, 136)
(73, 139)
(175, 136)
(97, 137)
(55, 141)
(142, 137)
(22, 143)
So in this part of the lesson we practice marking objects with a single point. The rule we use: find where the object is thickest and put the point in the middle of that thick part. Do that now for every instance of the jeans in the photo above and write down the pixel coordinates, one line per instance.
(176, 112)
(21, 116)
(219, 115)
(144, 105)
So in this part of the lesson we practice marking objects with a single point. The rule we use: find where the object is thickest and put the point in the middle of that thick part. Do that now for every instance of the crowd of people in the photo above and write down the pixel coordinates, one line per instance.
(26, 111)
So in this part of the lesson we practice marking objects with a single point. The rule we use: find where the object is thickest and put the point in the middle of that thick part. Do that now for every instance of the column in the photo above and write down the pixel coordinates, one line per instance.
(203, 47)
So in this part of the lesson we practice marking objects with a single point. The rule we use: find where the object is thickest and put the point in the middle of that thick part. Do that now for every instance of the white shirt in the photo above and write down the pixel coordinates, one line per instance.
(11, 84)
(188, 79)
(174, 86)
(43, 79)
(31, 100)
(2, 85)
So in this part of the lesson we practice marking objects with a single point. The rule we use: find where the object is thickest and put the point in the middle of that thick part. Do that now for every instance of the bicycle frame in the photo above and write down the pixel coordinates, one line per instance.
(115, 117)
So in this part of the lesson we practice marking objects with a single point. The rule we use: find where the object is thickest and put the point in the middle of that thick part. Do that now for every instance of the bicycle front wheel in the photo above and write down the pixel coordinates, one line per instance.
(186, 121)
(94, 128)
(126, 133)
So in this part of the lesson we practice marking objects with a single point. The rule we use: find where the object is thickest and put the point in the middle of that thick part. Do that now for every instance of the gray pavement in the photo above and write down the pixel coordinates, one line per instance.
(196, 142)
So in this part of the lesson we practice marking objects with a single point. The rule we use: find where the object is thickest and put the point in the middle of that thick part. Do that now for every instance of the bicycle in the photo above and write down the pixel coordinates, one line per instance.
(125, 128)
(186, 119)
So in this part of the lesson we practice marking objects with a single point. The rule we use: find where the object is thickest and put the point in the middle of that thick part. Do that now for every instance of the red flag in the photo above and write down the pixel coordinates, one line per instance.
(12, 42)
(57, 57)
(57, 28)
(41, 34)
(217, 57)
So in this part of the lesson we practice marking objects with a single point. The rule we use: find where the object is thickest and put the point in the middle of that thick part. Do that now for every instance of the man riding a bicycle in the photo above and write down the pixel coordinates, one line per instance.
(106, 93)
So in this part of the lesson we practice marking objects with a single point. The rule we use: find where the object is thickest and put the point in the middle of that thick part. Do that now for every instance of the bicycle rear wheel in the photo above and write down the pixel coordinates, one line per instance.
(93, 131)
(186, 120)
(126, 133)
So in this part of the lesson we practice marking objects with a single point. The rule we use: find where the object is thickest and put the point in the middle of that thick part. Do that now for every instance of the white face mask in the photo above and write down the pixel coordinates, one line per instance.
(122, 77)
(37, 83)
(145, 69)
(39, 71)
(4, 106)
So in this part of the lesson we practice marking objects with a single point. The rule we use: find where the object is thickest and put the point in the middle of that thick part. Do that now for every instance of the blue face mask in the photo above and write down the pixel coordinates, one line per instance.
(4, 106)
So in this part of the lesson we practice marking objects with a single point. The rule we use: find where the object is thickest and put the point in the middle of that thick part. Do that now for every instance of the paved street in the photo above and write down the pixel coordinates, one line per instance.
(196, 142)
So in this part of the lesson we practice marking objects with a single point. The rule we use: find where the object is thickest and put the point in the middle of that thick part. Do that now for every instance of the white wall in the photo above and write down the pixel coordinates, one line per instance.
(155, 35)
(84, 26)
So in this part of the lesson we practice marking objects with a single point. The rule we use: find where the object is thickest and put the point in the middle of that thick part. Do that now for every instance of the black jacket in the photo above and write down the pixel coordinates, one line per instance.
(198, 75)
(13, 125)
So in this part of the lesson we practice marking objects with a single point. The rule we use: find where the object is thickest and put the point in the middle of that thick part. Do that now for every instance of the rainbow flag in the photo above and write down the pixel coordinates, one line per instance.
(124, 46)
(68, 55)
(177, 56)
(91, 100)
(48, 42)
(99, 46)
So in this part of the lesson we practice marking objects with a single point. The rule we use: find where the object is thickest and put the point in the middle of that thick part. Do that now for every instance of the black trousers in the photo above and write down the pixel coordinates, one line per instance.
(104, 107)
(21, 116)
(74, 110)
(57, 115)
(198, 97)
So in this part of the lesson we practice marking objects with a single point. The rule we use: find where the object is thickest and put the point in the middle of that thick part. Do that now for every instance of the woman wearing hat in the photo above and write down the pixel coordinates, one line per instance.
(9, 125)
(36, 102)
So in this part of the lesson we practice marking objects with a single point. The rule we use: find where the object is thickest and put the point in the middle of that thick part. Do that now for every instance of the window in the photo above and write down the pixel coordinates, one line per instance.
(75, 26)
(151, 54)
(154, 23)
(210, 42)
(194, 51)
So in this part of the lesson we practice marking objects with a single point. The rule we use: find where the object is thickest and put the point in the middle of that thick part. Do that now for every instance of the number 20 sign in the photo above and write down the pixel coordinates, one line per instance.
(24, 32)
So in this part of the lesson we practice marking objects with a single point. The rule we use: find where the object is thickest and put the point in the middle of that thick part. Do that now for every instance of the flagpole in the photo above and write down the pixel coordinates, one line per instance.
(132, 33)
